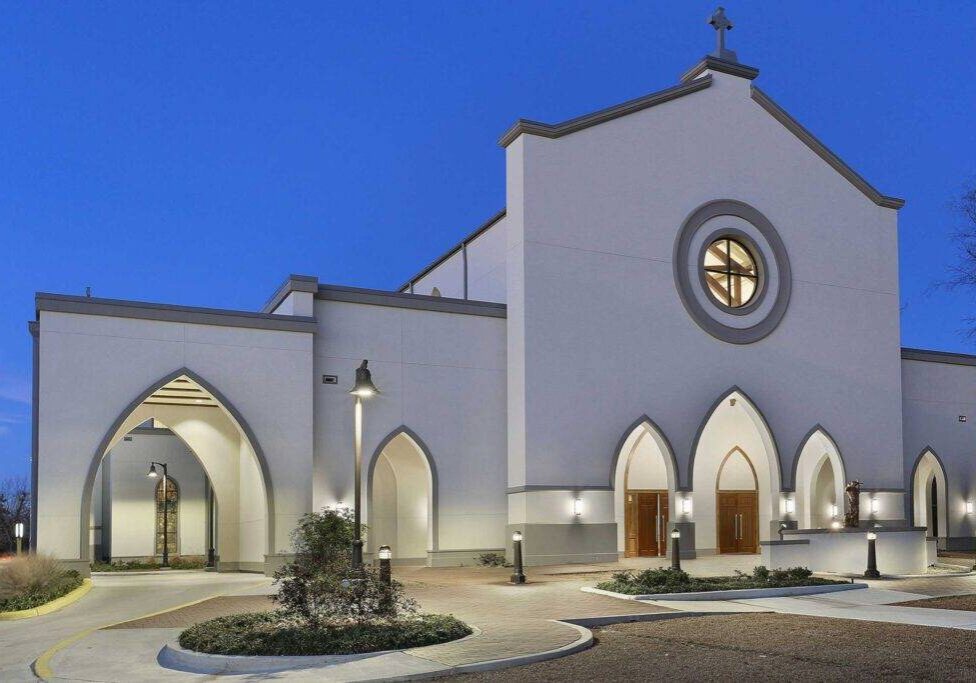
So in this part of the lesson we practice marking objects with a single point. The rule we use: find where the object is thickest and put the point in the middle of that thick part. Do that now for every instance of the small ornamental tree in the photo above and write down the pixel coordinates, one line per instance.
(320, 586)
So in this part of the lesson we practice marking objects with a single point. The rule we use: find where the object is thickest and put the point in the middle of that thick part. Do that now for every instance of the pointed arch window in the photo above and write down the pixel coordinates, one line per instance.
(171, 506)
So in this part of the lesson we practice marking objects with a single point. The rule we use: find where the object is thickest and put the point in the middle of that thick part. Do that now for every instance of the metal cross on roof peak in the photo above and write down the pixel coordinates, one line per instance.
(721, 24)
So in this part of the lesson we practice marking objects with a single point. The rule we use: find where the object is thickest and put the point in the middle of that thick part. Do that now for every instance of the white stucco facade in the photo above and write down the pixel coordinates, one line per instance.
(565, 354)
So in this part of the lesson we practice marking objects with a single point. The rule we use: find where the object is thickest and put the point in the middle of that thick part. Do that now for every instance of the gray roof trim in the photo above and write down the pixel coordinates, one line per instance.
(548, 130)
(63, 303)
(455, 249)
(292, 283)
(709, 63)
(529, 488)
(821, 150)
(938, 357)
(441, 304)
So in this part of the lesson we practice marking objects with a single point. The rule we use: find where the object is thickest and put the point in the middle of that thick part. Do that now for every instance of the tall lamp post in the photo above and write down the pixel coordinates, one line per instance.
(364, 388)
(152, 474)
(19, 535)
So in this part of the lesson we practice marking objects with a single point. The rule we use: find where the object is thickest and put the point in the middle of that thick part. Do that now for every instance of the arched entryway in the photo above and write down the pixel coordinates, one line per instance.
(737, 504)
(734, 438)
(819, 477)
(930, 506)
(644, 481)
(401, 503)
(234, 470)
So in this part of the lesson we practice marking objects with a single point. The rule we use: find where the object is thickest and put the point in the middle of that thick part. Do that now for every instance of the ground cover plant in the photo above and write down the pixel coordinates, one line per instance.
(650, 581)
(324, 606)
(29, 581)
(146, 565)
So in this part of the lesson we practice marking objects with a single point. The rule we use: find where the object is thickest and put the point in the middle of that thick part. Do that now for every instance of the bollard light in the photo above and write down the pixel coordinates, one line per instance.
(518, 576)
(19, 535)
(872, 571)
(675, 549)
(385, 554)
(782, 528)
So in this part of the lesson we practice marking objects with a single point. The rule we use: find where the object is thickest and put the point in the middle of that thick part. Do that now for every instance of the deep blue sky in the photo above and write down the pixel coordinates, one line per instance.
(196, 153)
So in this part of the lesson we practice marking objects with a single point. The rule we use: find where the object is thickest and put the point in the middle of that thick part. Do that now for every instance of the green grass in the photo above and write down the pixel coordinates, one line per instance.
(652, 581)
(275, 633)
(37, 596)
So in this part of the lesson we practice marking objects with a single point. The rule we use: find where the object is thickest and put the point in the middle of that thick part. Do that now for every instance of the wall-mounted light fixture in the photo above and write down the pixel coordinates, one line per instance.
(578, 507)
(969, 507)
(875, 506)
(790, 506)
(833, 510)
(686, 506)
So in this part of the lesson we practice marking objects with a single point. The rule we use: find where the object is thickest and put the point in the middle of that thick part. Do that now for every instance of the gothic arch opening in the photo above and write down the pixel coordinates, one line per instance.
(819, 479)
(930, 506)
(224, 449)
(402, 498)
(644, 479)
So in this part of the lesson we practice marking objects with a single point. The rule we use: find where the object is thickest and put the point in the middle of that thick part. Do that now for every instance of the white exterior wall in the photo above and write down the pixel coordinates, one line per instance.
(597, 334)
(935, 395)
(91, 367)
(132, 496)
(486, 264)
(442, 375)
(448, 278)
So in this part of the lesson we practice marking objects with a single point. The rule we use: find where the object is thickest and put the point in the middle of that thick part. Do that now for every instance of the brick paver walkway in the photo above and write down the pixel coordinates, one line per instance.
(513, 620)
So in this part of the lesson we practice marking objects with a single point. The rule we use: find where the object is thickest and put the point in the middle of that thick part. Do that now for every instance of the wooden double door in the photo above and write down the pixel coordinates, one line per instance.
(646, 523)
(738, 521)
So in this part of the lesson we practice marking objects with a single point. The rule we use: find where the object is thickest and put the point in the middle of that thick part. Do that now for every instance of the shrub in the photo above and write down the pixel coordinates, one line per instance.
(278, 633)
(491, 560)
(28, 581)
(677, 581)
(187, 563)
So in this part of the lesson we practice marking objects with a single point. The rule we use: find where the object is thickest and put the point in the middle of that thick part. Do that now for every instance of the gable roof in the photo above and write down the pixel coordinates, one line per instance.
(691, 84)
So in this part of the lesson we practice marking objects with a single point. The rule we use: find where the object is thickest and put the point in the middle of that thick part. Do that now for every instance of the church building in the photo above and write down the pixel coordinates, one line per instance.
(685, 318)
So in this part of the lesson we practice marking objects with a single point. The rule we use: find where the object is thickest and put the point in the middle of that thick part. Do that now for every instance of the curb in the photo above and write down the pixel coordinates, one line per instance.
(52, 606)
(737, 594)
(177, 658)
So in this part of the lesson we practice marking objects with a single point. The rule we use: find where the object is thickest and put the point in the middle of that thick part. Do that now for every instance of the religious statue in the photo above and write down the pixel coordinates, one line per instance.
(853, 516)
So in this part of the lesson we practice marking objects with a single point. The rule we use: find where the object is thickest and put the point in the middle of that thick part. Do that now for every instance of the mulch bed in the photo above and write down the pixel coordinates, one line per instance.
(963, 602)
(763, 647)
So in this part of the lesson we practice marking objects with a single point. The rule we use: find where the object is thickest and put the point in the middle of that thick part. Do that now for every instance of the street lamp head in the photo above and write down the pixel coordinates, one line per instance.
(364, 387)
(384, 552)
(152, 471)
(516, 536)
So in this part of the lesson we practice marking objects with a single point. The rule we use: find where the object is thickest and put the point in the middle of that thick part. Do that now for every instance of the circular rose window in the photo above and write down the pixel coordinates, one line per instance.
(731, 272)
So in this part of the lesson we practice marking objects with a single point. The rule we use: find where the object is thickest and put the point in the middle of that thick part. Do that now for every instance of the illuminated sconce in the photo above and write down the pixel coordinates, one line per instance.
(875, 506)
(969, 507)
(578, 507)
(790, 506)
(686, 506)
(833, 510)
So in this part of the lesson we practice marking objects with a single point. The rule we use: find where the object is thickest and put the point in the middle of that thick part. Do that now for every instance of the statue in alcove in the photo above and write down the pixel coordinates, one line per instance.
(852, 519)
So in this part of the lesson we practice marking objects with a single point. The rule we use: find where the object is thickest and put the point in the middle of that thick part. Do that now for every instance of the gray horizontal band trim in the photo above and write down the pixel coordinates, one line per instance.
(293, 283)
(867, 489)
(378, 297)
(548, 130)
(116, 308)
(528, 488)
(821, 150)
(853, 530)
(795, 541)
(709, 63)
(455, 249)
(938, 357)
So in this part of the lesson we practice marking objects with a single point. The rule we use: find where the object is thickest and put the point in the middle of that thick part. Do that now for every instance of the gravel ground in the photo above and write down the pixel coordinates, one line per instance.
(963, 602)
(760, 646)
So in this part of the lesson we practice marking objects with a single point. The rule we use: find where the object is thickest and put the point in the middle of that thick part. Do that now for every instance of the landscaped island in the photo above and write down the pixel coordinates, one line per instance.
(29, 581)
(651, 581)
(326, 607)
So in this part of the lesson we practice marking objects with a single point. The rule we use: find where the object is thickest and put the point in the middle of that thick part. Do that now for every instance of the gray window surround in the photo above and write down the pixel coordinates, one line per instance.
(761, 266)
(684, 283)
